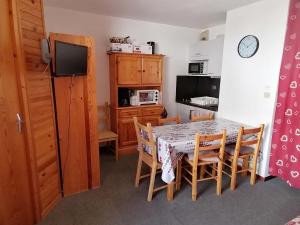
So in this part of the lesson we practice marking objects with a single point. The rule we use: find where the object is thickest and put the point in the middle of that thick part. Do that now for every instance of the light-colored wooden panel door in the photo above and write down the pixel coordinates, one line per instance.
(127, 134)
(15, 188)
(152, 71)
(69, 97)
(129, 70)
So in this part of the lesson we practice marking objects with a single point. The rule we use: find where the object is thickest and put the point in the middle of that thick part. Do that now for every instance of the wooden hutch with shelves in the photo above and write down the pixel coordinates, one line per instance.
(130, 71)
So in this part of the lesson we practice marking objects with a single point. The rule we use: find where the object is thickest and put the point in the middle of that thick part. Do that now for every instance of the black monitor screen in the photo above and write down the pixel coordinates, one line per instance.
(70, 59)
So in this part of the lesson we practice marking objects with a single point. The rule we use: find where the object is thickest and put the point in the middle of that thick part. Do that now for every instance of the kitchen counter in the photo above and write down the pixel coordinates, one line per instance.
(207, 107)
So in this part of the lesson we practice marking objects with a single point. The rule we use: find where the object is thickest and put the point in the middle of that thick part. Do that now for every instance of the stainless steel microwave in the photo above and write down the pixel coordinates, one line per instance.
(198, 67)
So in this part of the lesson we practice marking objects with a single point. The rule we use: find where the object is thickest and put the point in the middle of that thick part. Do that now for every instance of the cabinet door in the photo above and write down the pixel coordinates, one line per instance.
(129, 70)
(127, 134)
(152, 71)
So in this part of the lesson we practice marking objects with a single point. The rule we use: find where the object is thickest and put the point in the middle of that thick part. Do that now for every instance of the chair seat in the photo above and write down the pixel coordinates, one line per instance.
(245, 150)
(204, 157)
(107, 135)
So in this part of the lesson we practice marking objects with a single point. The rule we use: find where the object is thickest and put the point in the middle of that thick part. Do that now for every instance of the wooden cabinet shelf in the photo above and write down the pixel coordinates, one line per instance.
(133, 71)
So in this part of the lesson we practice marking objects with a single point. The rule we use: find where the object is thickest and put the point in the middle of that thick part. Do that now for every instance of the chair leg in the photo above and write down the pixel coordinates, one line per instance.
(219, 178)
(194, 185)
(170, 191)
(178, 175)
(117, 149)
(214, 168)
(152, 180)
(253, 171)
(138, 170)
(202, 171)
(233, 174)
(245, 166)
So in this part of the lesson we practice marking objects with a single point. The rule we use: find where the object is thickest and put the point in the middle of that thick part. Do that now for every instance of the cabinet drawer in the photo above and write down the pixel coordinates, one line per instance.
(152, 111)
(129, 113)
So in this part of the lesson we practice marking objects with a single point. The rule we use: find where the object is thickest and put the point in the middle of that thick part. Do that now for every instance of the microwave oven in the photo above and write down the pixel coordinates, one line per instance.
(144, 97)
(198, 67)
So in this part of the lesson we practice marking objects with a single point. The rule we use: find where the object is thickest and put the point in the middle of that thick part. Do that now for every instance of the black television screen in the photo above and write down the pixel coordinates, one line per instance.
(70, 59)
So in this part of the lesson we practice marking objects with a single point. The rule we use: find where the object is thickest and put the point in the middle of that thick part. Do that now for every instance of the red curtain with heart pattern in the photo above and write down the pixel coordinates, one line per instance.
(285, 152)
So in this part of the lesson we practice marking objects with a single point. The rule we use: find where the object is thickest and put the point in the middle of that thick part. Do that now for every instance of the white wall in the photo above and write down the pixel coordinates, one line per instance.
(215, 31)
(172, 41)
(245, 81)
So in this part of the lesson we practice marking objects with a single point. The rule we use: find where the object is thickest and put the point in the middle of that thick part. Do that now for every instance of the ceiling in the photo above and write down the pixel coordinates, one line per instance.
(187, 13)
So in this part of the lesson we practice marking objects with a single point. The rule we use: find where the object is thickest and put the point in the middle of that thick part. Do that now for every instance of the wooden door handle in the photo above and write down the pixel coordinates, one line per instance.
(144, 71)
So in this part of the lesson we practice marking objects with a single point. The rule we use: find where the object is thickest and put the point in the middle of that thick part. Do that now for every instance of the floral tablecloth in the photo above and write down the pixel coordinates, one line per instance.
(173, 141)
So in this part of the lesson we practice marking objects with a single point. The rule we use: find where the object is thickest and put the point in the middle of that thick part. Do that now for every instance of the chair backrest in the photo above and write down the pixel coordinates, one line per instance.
(169, 120)
(195, 118)
(145, 139)
(209, 146)
(103, 117)
(249, 137)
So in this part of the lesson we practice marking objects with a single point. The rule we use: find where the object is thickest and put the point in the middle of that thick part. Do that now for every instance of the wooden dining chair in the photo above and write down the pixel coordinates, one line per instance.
(209, 151)
(148, 155)
(105, 135)
(195, 118)
(169, 120)
(247, 146)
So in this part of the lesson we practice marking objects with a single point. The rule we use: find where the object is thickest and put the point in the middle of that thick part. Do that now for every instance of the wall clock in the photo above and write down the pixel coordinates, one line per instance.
(248, 46)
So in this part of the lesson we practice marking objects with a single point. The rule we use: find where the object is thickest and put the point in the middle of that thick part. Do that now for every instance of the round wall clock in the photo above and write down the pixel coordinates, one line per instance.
(248, 46)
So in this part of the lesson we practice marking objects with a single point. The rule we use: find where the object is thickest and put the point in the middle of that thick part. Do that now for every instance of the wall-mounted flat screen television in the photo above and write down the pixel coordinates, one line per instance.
(70, 59)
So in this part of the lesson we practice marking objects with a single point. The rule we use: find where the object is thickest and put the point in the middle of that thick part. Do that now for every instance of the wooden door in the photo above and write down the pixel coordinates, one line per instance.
(129, 70)
(69, 97)
(152, 71)
(127, 134)
(15, 188)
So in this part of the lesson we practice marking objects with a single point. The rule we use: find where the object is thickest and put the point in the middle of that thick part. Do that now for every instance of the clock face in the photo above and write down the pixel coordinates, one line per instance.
(248, 46)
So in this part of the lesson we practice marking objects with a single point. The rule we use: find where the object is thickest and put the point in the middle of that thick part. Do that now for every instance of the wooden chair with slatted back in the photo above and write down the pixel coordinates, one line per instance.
(148, 155)
(247, 146)
(196, 118)
(169, 120)
(105, 133)
(209, 151)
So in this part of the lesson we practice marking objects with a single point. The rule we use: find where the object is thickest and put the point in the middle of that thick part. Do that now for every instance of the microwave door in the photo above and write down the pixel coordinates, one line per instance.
(194, 68)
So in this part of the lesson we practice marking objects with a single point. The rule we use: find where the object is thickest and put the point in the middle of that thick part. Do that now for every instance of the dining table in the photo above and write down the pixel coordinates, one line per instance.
(175, 140)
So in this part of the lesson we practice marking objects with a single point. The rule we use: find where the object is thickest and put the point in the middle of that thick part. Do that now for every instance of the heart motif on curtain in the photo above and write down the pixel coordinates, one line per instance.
(289, 112)
(297, 56)
(293, 36)
(293, 84)
(298, 148)
(284, 138)
(288, 66)
(279, 163)
(288, 48)
(294, 174)
(293, 159)
(283, 94)
(297, 132)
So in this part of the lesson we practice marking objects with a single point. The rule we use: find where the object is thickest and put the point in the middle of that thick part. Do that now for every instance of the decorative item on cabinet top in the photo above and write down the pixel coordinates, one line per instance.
(126, 45)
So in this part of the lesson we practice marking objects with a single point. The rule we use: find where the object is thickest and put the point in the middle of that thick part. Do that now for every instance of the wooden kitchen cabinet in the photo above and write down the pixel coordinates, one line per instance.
(134, 72)
(152, 70)
(129, 70)
(127, 132)
(138, 69)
